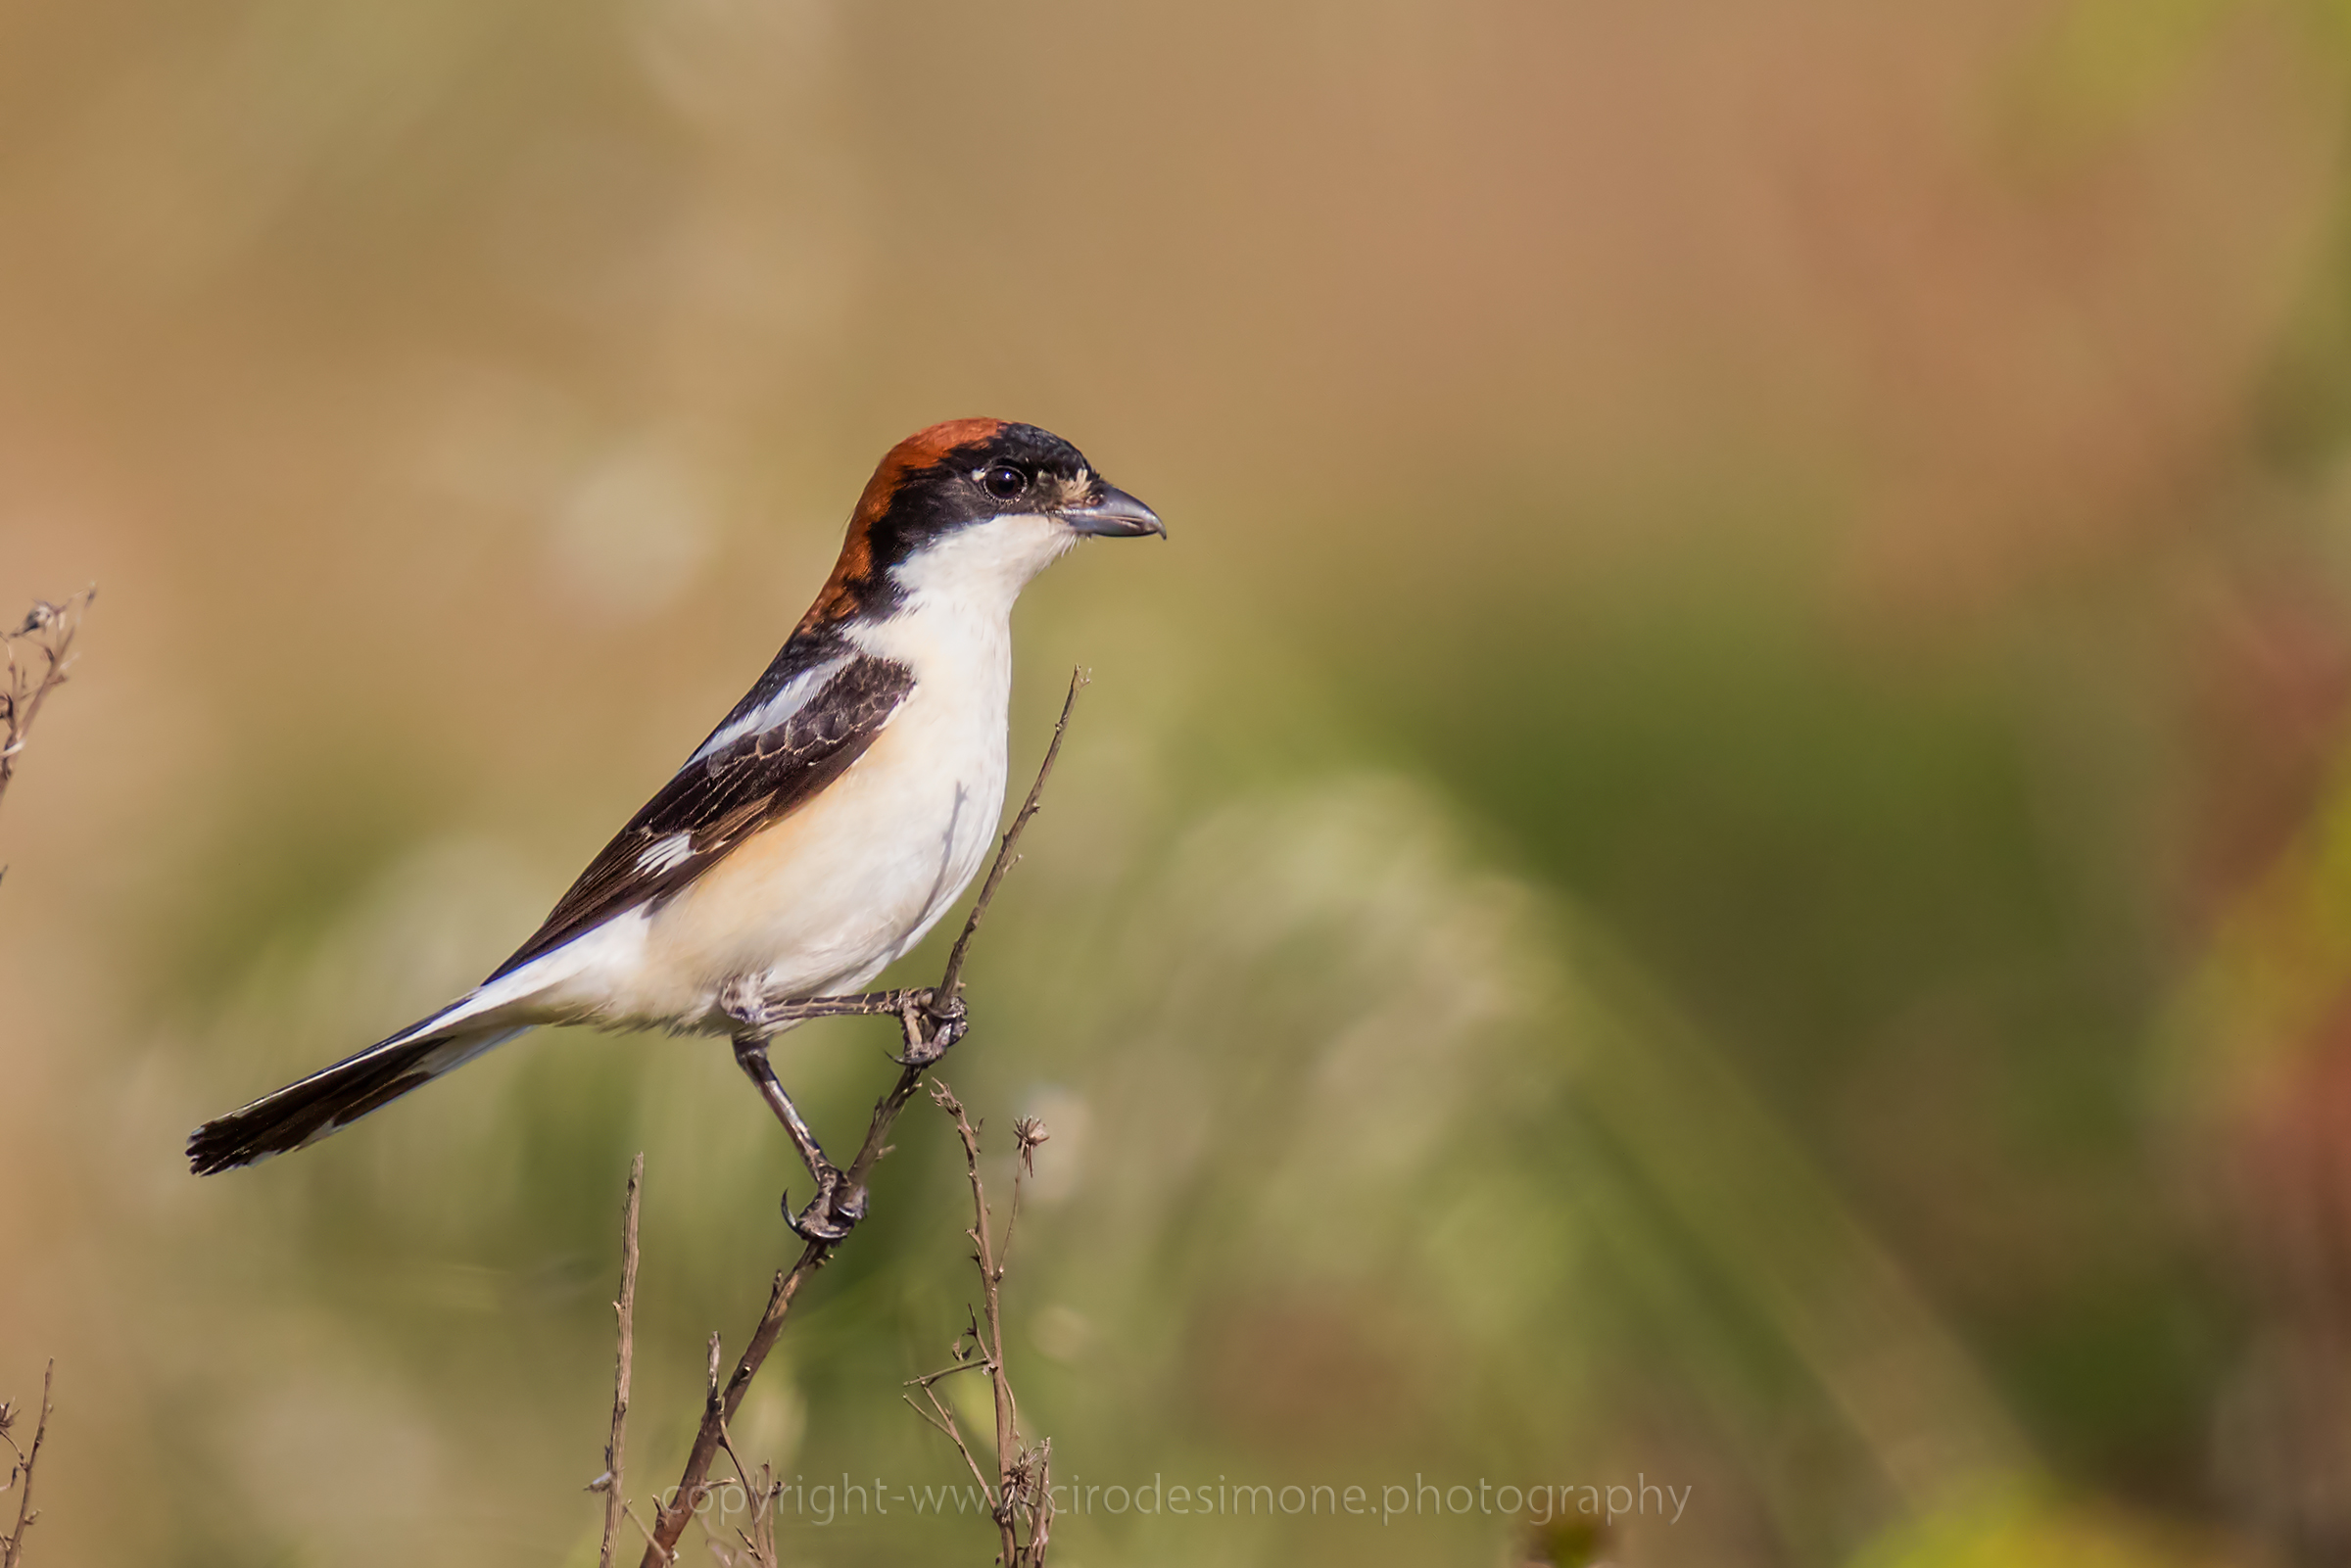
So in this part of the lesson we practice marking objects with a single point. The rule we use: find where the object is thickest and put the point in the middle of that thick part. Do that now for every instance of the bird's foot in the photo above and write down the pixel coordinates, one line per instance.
(931, 1027)
(832, 1212)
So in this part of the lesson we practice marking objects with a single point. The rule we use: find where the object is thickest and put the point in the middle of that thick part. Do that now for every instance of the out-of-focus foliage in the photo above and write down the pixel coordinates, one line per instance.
(1699, 905)
(2014, 1532)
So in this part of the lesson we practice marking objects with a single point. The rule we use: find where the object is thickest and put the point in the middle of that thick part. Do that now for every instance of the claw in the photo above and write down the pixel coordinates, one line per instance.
(828, 1216)
(808, 1227)
(922, 1055)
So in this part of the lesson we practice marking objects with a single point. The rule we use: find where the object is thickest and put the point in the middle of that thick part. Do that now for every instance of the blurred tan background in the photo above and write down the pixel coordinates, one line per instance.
(1715, 853)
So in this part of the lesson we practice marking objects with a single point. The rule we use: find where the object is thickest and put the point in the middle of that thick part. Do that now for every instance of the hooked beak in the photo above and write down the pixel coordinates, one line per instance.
(1114, 514)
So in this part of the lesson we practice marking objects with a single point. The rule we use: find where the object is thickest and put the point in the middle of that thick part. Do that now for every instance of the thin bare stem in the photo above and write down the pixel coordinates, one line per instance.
(951, 986)
(926, 1017)
(12, 1544)
(939, 1416)
(1023, 1489)
(48, 632)
(726, 1444)
(758, 1542)
(650, 1546)
(1028, 1132)
(991, 1277)
(624, 1311)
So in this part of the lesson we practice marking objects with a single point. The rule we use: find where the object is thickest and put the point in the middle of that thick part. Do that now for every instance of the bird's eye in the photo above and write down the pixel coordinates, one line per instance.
(1003, 481)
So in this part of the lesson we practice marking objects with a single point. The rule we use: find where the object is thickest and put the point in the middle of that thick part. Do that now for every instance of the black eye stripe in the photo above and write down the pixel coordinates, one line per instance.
(949, 489)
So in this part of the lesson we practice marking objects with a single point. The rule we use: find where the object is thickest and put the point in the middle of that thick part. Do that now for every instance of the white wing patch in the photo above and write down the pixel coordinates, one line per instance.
(663, 853)
(788, 700)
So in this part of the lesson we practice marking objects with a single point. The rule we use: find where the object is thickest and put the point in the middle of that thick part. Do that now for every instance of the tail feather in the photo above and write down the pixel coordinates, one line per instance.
(334, 1098)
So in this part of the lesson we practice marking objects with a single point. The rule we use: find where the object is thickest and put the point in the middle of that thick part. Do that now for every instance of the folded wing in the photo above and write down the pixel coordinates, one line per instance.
(765, 760)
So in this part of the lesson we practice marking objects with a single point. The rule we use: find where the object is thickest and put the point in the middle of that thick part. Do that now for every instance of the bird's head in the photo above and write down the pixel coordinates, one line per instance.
(973, 507)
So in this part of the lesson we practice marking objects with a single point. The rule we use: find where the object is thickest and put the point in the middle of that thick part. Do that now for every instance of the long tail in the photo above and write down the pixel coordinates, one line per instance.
(331, 1100)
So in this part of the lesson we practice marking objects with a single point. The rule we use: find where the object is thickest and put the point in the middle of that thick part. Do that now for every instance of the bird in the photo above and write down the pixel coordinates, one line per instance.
(825, 826)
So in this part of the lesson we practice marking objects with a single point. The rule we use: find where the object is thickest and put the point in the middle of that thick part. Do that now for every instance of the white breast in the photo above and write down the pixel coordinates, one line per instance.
(823, 900)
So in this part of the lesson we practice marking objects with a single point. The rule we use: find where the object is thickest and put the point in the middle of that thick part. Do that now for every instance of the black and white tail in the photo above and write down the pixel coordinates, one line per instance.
(334, 1098)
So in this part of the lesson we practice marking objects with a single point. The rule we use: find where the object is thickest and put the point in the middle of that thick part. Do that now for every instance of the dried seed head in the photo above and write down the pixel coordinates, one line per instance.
(1030, 1133)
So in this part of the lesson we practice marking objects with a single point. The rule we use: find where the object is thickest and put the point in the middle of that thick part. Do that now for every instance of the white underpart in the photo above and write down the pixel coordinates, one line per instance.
(975, 573)
(521, 997)
(857, 875)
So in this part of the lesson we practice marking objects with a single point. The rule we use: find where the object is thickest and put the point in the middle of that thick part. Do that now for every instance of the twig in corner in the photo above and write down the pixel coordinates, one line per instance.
(48, 630)
(625, 1312)
(928, 1017)
(20, 1472)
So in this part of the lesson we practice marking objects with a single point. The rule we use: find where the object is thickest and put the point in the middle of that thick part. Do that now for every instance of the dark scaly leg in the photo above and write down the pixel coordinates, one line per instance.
(828, 1217)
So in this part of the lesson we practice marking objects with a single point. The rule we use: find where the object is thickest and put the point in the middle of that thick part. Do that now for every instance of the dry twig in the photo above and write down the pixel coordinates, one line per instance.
(48, 630)
(758, 1549)
(624, 1311)
(1021, 1500)
(20, 1471)
(968, 1352)
(930, 1017)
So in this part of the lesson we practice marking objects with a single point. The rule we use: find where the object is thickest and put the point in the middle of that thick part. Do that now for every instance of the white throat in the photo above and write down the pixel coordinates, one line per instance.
(981, 567)
(957, 595)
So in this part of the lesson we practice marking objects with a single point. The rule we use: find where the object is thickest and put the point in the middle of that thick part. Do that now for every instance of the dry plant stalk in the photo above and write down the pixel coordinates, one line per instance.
(624, 1311)
(48, 630)
(759, 1542)
(1021, 1500)
(20, 1471)
(932, 1018)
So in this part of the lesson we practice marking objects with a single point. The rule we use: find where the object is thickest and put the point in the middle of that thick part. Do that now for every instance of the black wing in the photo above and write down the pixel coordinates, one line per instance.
(719, 799)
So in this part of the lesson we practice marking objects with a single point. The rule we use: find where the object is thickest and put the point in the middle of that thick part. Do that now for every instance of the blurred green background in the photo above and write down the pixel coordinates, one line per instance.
(1715, 854)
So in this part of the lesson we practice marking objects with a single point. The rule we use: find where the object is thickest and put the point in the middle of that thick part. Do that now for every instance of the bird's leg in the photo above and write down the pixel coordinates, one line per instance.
(828, 1217)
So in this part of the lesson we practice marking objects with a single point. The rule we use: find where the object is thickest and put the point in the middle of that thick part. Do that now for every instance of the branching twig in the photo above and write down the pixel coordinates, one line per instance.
(759, 1541)
(666, 1556)
(1022, 1498)
(48, 630)
(940, 1415)
(20, 1472)
(926, 1015)
(624, 1310)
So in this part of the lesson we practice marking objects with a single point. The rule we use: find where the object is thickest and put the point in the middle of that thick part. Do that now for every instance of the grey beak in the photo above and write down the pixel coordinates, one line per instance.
(1114, 514)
